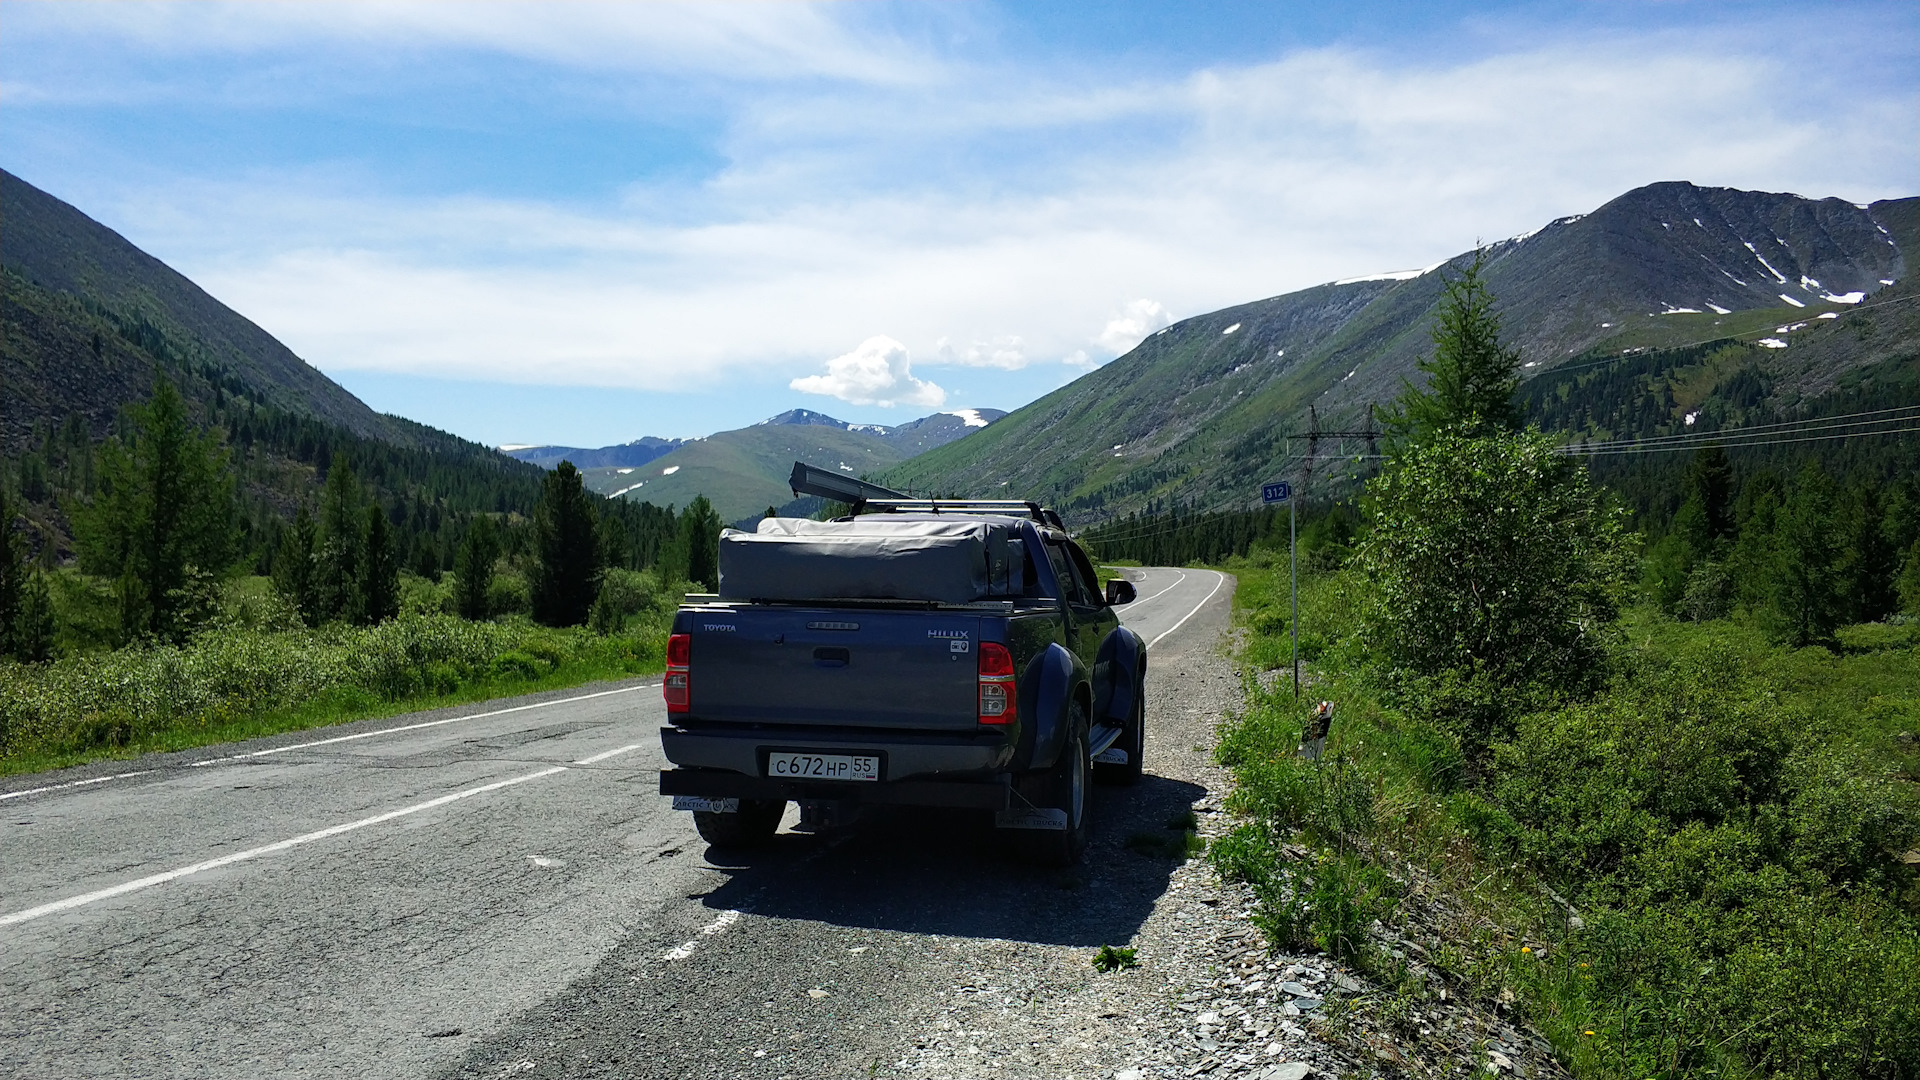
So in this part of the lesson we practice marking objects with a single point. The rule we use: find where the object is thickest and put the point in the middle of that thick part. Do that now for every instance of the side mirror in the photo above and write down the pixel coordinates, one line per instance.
(1120, 592)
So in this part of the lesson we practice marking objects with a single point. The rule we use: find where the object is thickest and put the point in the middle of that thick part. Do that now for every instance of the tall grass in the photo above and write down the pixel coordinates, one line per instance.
(242, 680)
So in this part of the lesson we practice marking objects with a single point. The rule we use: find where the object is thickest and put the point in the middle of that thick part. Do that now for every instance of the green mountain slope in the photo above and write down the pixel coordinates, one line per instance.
(1199, 414)
(83, 335)
(55, 247)
(745, 471)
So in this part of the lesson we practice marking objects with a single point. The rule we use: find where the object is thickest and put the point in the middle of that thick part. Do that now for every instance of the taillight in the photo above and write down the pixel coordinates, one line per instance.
(677, 687)
(999, 702)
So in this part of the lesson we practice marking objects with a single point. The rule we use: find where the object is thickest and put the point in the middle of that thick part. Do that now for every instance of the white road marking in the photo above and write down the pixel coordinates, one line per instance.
(306, 838)
(1190, 614)
(1162, 592)
(727, 918)
(74, 784)
(417, 727)
(84, 899)
(598, 758)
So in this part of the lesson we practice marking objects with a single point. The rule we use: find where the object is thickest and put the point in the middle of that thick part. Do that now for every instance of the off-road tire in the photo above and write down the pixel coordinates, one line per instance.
(1134, 741)
(752, 826)
(1067, 786)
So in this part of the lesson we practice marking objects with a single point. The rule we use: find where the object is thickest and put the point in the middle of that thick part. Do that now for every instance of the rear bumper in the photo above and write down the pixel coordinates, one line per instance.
(918, 770)
(992, 794)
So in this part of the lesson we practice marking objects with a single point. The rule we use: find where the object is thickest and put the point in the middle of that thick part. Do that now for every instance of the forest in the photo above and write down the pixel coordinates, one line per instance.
(215, 551)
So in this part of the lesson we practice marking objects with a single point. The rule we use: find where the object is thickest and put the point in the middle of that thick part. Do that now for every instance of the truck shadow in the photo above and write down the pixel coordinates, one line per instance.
(949, 873)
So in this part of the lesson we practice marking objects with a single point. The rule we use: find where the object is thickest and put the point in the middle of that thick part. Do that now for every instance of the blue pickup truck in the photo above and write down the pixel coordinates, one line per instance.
(915, 652)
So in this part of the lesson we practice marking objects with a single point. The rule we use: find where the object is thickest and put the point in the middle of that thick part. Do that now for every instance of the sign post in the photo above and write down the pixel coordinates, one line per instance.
(1281, 491)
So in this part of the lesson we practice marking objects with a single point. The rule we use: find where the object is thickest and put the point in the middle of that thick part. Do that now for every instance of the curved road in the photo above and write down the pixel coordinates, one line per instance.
(466, 891)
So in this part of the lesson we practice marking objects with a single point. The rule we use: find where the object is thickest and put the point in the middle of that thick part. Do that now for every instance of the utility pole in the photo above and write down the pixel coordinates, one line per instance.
(1313, 437)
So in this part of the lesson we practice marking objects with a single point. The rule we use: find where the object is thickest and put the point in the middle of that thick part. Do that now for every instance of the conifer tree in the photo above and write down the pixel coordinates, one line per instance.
(13, 571)
(473, 569)
(339, 545)
(700, 524)
(1806, 594)
(379, 583)
(1710, 482)
(33, 621)
(163, 521)
(293, 574)
(1471, 376)
(566, 576)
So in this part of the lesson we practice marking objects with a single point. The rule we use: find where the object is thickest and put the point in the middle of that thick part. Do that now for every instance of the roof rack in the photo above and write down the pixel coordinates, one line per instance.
(1020, 507)
(863, 496)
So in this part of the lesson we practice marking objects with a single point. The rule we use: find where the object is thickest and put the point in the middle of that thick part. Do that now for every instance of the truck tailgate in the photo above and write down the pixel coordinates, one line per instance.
(905, 670)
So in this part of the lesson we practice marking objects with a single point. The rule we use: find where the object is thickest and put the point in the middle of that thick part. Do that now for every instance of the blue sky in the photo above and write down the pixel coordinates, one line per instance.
(584, 223)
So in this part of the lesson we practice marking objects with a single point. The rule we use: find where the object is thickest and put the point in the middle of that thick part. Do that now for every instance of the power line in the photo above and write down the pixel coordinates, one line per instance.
(1768, 442)
(1740, 436)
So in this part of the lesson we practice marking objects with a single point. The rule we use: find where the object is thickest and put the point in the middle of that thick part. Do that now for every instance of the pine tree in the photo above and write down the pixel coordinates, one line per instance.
(378, 595)
(1806, 591)
(701, 526)
(473, 569)
(13, 572)
(293, 574)
(566, 576)
(164, 519)
(1868, 562)
(339, 545)
(1711, 482)
(33, 622)
(1471, 376)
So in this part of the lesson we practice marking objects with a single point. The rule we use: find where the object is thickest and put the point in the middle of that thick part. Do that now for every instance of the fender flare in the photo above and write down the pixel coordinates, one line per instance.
(1123, 663)
(1047, 687)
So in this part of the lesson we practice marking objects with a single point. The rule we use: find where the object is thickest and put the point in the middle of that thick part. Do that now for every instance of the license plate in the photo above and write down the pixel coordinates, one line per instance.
(788, 766)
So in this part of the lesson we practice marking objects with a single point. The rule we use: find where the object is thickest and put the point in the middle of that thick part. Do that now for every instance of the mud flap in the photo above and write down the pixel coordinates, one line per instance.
(1112, 755)
(1031, 817)
(703, 804)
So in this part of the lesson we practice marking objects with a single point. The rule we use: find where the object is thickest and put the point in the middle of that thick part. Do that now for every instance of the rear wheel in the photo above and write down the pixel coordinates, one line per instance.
(752, 826)
(1133, 740)
(1063, 787)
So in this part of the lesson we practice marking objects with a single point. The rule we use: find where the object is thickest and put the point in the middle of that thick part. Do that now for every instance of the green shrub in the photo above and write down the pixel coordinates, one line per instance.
(135, 696)
(509, 594)
(516, 665)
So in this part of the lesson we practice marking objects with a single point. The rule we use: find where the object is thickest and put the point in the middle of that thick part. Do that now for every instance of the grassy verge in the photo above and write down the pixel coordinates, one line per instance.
(238, 682)
(1698, 870)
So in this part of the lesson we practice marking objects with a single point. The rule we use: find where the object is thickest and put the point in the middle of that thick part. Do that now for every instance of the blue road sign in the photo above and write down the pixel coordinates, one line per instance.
(1274, 493)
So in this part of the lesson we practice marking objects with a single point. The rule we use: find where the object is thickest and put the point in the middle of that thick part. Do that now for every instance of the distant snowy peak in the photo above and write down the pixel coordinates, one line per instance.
(803, 417)
(969, 417)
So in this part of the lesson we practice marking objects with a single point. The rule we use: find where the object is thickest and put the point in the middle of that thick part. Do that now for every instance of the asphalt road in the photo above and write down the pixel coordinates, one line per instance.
(497, 890)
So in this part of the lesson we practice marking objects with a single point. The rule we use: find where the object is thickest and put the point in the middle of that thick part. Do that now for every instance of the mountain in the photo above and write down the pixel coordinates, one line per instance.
(87, 319)
(50, 250)
(629, 455)
(1200, 412)
(743, 472)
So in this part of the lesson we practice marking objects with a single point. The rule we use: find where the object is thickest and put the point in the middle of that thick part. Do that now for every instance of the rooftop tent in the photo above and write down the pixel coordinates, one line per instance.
(951, 560)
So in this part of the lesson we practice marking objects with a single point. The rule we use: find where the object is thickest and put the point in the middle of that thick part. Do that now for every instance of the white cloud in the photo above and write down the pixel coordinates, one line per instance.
(876, 373)
(742, 41)
(850, 194)
(1142, 317)
(1004, 353)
